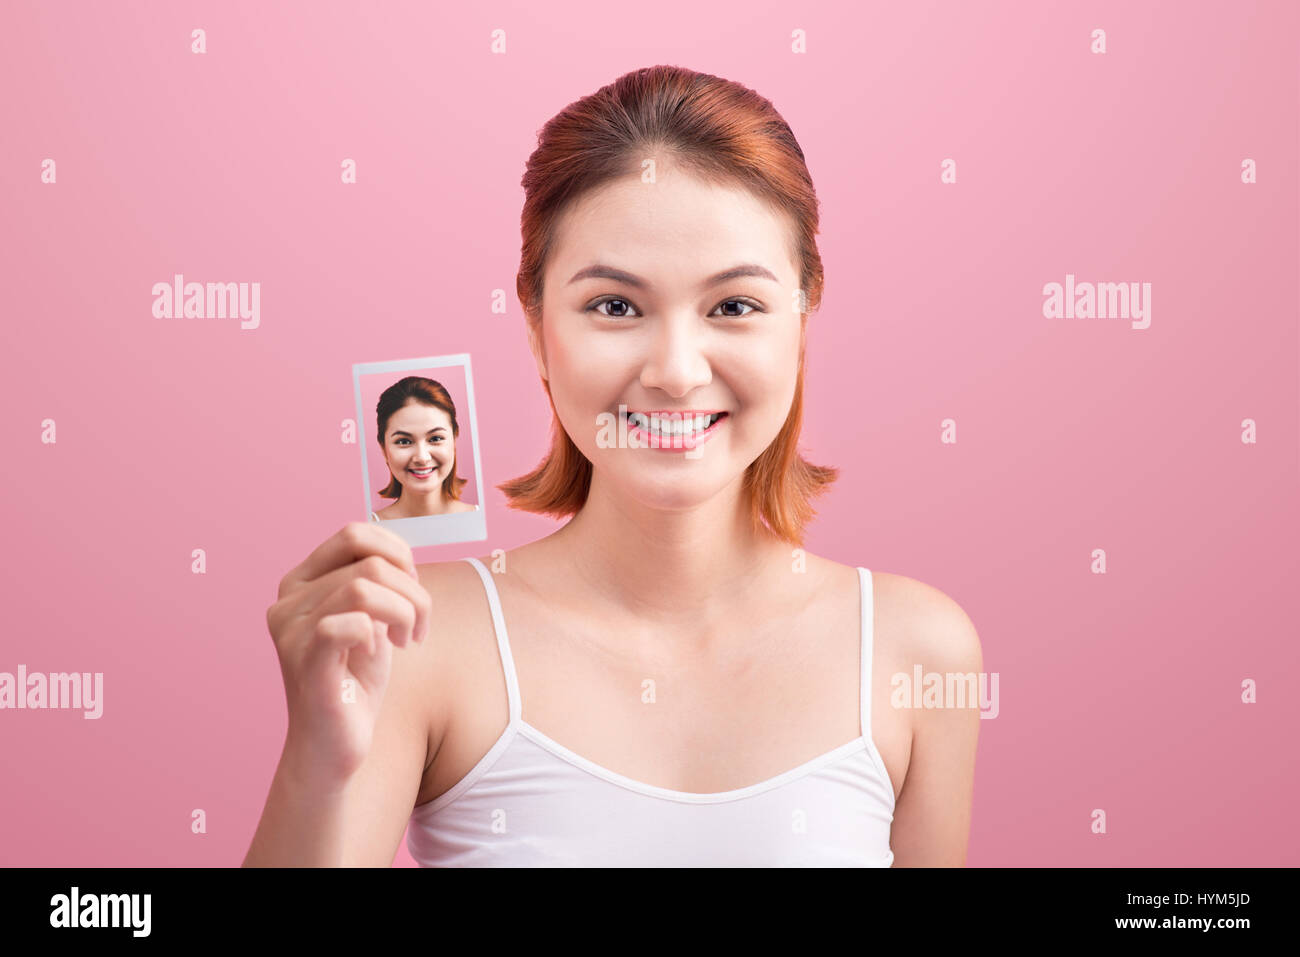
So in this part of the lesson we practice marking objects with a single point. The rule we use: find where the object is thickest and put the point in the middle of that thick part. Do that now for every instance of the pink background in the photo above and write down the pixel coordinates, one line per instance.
(452, 378)
(1118, 691)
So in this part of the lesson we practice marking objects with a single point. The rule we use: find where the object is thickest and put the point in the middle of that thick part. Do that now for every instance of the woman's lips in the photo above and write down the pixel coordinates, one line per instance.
(422, 473)
(670, 441)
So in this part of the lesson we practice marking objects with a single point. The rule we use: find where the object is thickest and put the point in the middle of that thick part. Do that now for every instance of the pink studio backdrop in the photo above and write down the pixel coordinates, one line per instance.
(1119, 691)
(452, 378)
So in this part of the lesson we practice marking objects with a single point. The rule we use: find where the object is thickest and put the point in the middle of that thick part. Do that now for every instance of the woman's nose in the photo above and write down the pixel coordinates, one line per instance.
(676, 361)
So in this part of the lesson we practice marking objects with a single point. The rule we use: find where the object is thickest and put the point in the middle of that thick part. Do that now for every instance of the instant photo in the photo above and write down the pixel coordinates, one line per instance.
(418, 432)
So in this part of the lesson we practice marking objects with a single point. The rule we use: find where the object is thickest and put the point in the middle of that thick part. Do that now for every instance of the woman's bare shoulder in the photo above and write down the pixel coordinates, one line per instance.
(455, 588)
(459, 595)
(461, 637)
(921, 622)
(933, 628)
(440, 576)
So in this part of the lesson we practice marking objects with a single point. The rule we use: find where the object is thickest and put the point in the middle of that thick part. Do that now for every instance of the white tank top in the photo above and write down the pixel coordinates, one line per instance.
(532, 802)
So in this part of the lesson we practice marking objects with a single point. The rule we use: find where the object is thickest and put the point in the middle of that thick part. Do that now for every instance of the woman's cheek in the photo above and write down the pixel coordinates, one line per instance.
(570, 414)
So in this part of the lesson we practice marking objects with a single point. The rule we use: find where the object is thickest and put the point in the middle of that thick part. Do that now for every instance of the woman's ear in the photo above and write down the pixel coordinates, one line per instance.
(538, 347)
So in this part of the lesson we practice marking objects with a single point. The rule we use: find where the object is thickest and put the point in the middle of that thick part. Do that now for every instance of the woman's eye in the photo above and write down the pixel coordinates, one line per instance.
(606, 302)
(738, 302)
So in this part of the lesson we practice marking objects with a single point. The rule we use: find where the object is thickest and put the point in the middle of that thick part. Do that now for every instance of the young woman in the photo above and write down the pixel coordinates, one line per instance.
(417, 430)
(668, 679)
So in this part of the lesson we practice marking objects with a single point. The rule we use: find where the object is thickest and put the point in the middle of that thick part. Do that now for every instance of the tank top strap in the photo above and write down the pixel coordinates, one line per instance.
(503, 640)
(866, 625)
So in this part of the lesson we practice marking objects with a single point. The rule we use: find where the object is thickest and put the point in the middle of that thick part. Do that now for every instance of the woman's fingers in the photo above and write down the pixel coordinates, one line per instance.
(306, 599)
(353, 541)
(380, 602)
(382, 572)
(337, 634)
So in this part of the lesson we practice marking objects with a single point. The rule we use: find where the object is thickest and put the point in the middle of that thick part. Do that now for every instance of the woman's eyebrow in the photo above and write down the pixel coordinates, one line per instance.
(600, 271)
(404, 432)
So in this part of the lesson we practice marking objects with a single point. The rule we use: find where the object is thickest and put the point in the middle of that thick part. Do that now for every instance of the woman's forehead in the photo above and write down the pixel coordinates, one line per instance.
(682, 245)
(417, 413)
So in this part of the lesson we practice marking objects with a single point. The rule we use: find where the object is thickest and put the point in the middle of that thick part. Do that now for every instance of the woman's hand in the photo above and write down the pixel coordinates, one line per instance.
(334, 623)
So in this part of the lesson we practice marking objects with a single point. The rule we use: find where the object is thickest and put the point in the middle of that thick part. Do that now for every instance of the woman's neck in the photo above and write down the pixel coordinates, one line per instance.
(430, 503)
(670, 566)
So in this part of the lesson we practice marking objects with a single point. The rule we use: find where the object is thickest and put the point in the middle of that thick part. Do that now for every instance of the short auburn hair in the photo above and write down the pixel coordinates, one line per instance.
(717, 130)
(415, 388)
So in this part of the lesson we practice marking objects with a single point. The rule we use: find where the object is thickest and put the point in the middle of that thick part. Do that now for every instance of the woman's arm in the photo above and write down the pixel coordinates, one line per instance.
(408, 735)
(304, 821)
(932, 816)
(346, 625)
(312, 821)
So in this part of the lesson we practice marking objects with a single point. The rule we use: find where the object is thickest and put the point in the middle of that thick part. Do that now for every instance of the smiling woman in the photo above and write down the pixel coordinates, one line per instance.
(680, 683)
(417, 431)
(669, 269)
(700, 165)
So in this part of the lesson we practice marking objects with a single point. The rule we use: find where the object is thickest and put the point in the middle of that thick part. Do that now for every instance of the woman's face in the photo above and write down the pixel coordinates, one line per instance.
(419, 447)
(668, 336)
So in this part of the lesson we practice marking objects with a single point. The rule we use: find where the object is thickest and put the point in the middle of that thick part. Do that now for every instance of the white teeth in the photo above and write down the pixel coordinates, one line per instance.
(669, 425)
